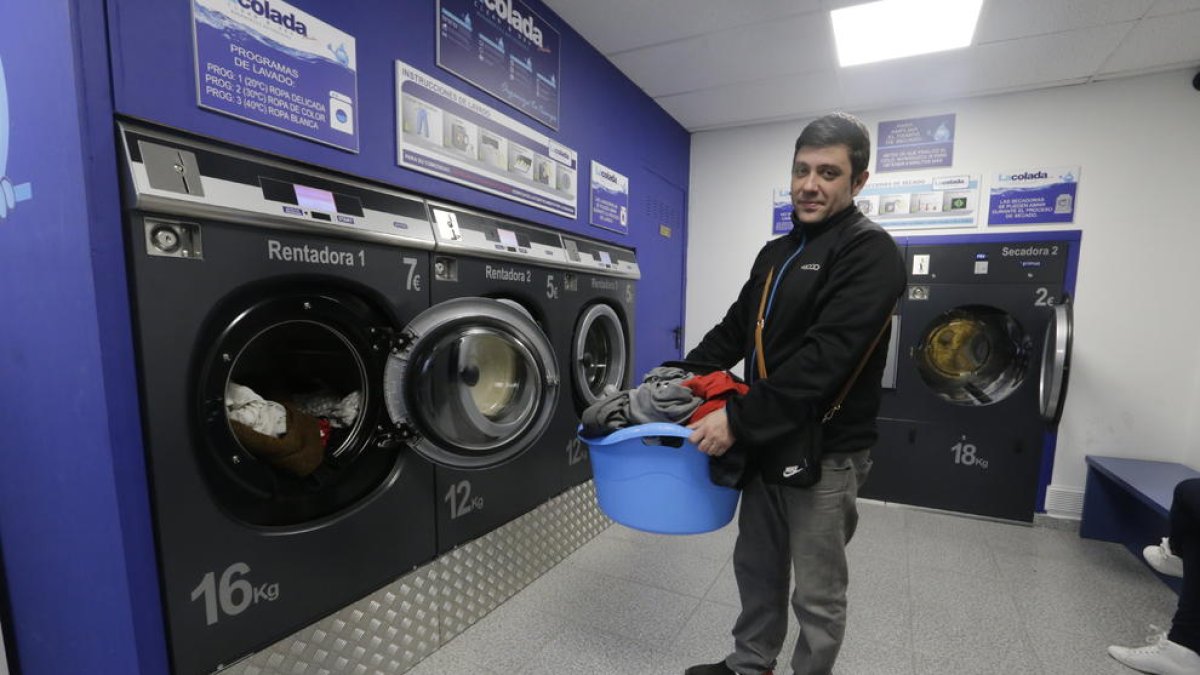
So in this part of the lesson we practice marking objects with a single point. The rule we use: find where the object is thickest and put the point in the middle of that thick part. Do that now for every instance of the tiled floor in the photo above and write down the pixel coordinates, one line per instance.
(930, 593)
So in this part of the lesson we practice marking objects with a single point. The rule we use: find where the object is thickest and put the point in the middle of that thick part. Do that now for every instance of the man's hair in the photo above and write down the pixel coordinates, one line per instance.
(839, 128)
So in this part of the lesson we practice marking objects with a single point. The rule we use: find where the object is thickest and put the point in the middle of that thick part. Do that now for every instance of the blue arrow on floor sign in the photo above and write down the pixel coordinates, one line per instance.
(10, 194)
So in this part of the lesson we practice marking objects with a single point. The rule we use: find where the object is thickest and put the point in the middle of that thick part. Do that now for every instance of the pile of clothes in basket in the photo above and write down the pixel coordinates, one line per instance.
(667, 394)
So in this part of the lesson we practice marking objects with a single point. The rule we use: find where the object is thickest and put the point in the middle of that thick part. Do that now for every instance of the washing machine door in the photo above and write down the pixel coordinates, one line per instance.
(471, 383)
(1056, 363)
(286, 395)
(598, 354)
(973, 355)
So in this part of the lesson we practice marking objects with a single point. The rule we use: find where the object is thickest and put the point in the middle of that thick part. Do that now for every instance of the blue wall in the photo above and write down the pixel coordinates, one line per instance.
(74, 521)
(73, 516)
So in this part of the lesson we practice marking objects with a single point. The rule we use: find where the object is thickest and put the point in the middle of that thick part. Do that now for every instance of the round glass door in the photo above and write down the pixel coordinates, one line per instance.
(471, 383)
(1056, 363)
(599, 354)
(286, 401)
(973, 355)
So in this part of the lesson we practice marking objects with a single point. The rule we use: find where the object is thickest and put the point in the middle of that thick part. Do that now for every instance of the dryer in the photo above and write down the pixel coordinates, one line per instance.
(518, 266)
(982, 353)
(599, 292)
(261, 286)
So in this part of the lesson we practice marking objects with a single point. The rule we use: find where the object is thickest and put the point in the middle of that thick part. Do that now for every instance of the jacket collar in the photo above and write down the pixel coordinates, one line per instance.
(817, 229)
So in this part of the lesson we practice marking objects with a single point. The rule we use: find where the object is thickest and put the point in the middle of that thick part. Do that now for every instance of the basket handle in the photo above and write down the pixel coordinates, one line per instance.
(643, 431)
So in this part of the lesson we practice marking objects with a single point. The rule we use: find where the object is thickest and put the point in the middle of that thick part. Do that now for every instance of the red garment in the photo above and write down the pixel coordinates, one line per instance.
(715, 388)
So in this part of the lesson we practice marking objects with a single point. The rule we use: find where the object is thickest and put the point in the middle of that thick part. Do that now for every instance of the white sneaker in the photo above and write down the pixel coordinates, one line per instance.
(1161, 559)
(1161, 657)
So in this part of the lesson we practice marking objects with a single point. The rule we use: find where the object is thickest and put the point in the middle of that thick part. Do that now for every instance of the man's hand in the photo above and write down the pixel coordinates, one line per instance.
(712, 434)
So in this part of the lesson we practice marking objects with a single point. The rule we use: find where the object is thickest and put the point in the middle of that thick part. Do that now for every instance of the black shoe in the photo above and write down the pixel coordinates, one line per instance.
(718, 668)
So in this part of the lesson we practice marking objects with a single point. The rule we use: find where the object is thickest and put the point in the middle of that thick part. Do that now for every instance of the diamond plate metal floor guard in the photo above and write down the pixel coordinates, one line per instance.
(393, 629)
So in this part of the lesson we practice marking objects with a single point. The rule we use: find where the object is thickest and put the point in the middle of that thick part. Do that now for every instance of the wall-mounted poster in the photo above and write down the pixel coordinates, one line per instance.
(269, 63)
(1038, 195)
(921, 202)
(610, 199)
(443, 132)
(916, 143)
(781, 211)
(504, 48)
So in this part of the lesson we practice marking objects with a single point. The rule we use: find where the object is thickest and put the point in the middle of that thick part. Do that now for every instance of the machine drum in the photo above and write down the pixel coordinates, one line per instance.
(973, 355)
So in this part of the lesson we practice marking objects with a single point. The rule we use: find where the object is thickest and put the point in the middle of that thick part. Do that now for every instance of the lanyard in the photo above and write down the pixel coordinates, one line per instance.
(765, 304)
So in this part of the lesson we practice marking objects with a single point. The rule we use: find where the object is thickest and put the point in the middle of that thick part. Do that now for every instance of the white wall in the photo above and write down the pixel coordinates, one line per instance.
(1135, 378)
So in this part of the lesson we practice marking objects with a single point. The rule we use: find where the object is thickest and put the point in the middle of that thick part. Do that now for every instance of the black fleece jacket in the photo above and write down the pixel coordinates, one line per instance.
(830, 304)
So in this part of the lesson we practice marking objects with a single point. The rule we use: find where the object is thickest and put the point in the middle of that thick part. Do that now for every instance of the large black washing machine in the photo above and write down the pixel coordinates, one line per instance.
(514, 382)
(598, 292)
(294, 387)
(981, 362)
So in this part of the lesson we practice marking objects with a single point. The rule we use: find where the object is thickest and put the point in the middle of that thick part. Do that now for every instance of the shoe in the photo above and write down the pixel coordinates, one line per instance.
(718, 668)
(1161, 559)
(1161, 657)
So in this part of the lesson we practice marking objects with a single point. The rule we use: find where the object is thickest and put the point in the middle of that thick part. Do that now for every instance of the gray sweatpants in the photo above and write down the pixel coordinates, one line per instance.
(805, 530)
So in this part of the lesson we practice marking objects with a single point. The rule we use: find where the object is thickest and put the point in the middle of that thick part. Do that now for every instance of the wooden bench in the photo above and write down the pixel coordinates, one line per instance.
(1128, 501)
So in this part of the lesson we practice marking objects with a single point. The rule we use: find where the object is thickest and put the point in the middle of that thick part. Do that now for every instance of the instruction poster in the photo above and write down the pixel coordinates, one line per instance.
(443, 132)
(781, 211)
(610, 199)
(921, 202)
(504, 48)
(1037, 195)
(916, 143)
(267, 62)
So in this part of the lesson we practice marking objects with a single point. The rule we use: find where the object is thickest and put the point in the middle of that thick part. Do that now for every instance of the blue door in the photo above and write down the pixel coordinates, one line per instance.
(659, 320)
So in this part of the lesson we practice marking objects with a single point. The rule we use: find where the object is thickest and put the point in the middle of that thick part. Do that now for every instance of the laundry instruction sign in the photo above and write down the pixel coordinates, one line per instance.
(270, 63)
(504, 48)
(781, 211)
(916, 143)
(443, 132)
(610, 199)
(1034, 195)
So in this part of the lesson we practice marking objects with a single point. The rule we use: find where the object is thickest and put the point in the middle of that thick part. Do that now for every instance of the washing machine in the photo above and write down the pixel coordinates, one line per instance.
(519, 266)
(297, 387)
(599, 290)
(981, 359)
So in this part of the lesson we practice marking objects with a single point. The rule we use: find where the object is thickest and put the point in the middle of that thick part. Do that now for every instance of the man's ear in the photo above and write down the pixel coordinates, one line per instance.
(859, 182)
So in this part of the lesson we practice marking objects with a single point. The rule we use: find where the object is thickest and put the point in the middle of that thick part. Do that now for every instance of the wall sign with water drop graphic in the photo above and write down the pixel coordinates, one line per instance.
(267, 62)
(1032, 195)
(915, 143)
(12, 192)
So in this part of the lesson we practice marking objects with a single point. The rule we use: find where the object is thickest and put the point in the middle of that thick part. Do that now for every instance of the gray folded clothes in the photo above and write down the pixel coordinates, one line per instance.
(606, 415)
(667, 374)
(662, 401)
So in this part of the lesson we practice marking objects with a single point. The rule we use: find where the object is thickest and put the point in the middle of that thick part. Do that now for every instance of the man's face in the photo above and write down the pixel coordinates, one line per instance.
(821, 182)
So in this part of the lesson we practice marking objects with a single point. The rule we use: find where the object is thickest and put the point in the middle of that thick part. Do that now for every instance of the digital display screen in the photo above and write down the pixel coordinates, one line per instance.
(315, 200)
(507, 237)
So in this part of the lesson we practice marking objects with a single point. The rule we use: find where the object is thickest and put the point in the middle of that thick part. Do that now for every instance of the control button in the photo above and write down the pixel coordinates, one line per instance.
(321, 216)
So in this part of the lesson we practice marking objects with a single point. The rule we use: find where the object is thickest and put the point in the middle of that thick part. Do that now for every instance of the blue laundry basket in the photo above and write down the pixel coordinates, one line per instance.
(649, 477)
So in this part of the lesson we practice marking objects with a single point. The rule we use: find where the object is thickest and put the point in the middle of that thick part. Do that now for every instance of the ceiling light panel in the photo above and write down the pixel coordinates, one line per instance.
(893, 29)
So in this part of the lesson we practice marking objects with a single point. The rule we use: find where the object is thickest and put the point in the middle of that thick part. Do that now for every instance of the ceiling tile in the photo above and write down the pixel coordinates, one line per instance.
(1158, 42)
(791, 96)
(790, 45)
(1173, 7)
(1011, 19)
(614, 26)
(1000, 66)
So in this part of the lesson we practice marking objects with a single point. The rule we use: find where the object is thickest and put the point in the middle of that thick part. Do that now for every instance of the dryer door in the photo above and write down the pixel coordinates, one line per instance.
(471, 383)
(598, 354)
(1056, 363)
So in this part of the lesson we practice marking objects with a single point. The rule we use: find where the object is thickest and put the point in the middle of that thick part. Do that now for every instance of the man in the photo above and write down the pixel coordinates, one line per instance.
(836, 278)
